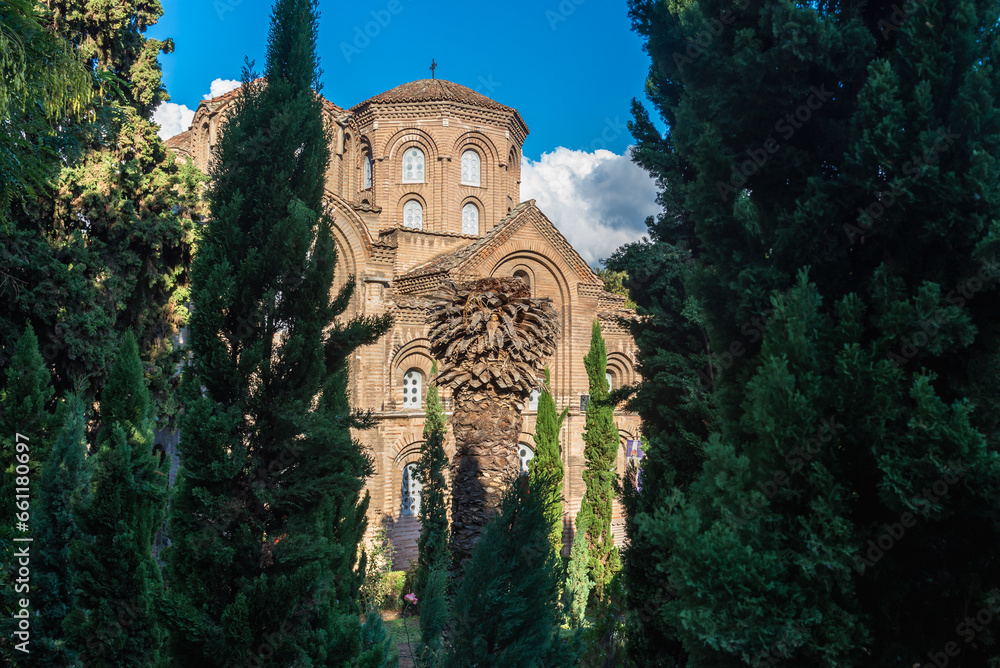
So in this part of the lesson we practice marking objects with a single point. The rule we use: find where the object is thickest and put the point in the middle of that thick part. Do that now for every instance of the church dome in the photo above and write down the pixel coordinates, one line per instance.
(434, 90)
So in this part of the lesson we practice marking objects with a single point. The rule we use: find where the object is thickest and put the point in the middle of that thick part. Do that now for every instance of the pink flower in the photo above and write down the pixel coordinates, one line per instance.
(411, 598)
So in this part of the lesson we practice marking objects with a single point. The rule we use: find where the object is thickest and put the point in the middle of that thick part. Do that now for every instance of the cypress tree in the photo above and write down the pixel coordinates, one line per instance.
(115, 621)
(600, 449)
(267, 515)
(674, 400)
(63, 483)
(506, 606)
(432, 545)
(578, 582)
(24, 410)
(845, 200)
(547, 462)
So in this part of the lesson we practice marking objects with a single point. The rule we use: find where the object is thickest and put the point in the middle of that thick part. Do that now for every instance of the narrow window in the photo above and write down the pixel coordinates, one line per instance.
(525, 454)
(611, 385)
(470, 168)
(470, 219)
(411, 389)
(368, 171)
(413, 166)
(410, 504)
(413, 215)
(533, 400)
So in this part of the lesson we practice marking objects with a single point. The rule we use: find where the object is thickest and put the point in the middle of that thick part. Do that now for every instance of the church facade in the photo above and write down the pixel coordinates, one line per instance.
(424, 185)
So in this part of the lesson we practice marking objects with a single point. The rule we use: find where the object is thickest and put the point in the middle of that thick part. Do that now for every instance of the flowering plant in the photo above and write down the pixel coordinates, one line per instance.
(411, 598)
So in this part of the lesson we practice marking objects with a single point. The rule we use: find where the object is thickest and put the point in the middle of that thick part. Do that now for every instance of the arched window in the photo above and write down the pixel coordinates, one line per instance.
(412, 382)
(410, 503)
(611, 384)
(523, 275)
(470, 168)
(368, 171)
(533, 399)
(413, 165)
(413, 215)
(470, 219)
(525, 454)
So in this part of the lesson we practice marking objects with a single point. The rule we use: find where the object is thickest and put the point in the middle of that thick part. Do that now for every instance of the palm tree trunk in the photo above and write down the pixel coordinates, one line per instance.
(486, 428)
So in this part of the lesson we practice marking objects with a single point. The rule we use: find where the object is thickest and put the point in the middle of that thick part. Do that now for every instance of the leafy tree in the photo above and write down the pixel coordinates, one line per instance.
(578, 582)
(43, 79)
(845, 214)
(506, 606)
(115, 622)
(600, 440)
(432, 545)
(105, 245)
(616, 282)
(267, 515)
(547, 462)
(64, 481)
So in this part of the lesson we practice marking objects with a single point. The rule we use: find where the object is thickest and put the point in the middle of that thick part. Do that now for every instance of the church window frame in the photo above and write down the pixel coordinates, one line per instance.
(368, 171)
(414, 164)
(472, 164)
(413, 389)
(413, 214)
(470, 218)
(410, 491)
(525, 453)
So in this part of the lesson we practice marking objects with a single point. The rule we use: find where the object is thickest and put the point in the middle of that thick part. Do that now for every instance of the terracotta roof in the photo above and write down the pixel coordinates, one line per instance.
(509, 225)
(181, 142)
(448, 261)
(434, 90)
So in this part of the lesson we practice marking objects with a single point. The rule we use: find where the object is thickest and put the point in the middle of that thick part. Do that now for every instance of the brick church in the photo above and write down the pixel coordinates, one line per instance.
(423, 185)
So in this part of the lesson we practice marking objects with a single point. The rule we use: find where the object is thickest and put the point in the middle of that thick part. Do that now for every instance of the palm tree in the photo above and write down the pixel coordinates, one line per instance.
(492, 339)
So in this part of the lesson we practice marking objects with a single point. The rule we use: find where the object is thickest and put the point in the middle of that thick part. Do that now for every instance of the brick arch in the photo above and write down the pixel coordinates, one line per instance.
(622, 368)
(352, 228)
(623, 435)
(507, 256)
(479, 140)
(408, 136)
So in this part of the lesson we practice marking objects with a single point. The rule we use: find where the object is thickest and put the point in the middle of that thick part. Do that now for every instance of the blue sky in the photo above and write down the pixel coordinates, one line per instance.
(571, 67)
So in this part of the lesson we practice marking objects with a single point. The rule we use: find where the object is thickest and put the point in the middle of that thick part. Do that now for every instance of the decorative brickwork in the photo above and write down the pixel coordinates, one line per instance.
(396, 269)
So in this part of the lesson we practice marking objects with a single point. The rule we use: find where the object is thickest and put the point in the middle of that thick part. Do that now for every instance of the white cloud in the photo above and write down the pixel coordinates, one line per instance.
(176, 118)
(172, 118)
(599, 200)
(220, 87)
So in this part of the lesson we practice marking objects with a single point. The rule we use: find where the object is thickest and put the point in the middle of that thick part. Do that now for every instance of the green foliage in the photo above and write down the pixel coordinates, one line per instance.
(616, 282)
(115, 622)
(267, 515)
(600, 449)
(506, 606)
(43, 80)
(578, 582)
(675, 403)
(64, 481)
(840, 206)
(432, 545)
(378, 646)
(103, 244)
(434, 616)
(24, 409)
(547, 462)
(604, 640)
(379, 588)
